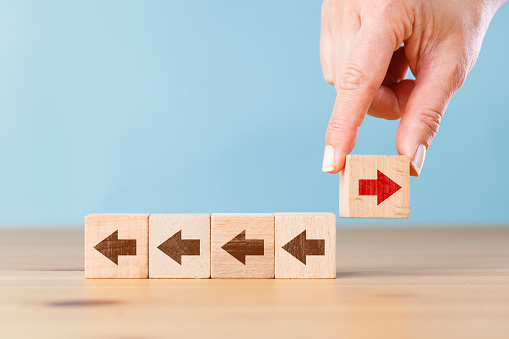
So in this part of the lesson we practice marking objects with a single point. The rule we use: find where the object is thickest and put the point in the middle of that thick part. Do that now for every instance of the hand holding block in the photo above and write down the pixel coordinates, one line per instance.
(179, 246)
(375, 186)
(242, 245)
(116, 246)
(305, 245)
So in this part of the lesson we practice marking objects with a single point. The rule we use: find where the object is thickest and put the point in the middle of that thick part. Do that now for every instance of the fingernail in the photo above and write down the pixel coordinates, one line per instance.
(418, 161)
(328, 159)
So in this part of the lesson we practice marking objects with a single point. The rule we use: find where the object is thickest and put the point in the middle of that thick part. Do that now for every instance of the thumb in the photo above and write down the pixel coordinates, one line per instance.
(434, 87)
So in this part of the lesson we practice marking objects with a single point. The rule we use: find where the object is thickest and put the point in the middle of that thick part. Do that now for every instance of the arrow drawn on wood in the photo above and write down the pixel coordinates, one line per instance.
(175, 247)
(111, 247)
(300, 247)
(383, 187)
(239, 247)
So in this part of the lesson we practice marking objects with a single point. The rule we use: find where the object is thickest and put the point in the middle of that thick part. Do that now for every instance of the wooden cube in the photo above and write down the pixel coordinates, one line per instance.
(179, 246)
(242, 245)
(116, 246)
(305, 245)
(375, 186)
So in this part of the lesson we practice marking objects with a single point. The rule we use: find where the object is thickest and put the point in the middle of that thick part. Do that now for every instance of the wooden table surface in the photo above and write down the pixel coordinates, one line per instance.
(391, 283)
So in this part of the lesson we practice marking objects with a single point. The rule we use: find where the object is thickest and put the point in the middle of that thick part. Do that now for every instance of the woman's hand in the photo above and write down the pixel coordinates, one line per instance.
(361, 55)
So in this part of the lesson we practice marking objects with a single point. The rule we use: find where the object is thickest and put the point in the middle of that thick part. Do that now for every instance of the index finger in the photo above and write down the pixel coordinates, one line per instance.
(356, 81)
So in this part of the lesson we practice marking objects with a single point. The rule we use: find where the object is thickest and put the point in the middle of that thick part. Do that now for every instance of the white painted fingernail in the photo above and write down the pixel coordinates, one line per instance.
(418, 159)
(328, 159)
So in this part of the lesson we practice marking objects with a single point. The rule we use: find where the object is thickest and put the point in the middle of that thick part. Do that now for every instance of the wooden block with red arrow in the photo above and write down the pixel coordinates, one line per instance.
(242, 245)
(179, 246)
(116, 246)
(305, 245)
(375, 186)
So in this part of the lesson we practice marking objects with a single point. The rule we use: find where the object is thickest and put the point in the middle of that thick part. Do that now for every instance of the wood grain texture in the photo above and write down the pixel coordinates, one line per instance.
(360, 169)
(318, 226)
(411, 283)
(257, 226)
(193, 228)
(128, 227)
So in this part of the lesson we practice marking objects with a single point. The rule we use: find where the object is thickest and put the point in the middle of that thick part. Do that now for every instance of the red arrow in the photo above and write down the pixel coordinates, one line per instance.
(383, 187)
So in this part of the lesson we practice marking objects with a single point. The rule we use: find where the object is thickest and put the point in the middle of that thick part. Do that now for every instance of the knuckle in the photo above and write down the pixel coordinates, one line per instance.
(353, 78)
(388, 9)
(335, 126)
(460, 71)
(338, 124)
(328, 78)
(394, 9)
(395, 18)
(454, 73)
(329, 6)
(431, 118)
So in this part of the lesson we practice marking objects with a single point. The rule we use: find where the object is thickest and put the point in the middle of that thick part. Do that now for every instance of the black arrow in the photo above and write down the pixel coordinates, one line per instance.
(300, 247)
(112, 247)
(239, 247)
(175, 247)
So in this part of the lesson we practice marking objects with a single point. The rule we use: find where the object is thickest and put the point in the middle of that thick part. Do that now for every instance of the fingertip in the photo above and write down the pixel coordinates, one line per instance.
(328, 159)
(328, 78)
(416, 154)
(333, 162)
(417, 161)
(340, 163)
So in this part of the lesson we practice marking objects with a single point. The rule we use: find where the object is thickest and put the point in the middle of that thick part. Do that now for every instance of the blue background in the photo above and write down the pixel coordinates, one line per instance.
(207, 106)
